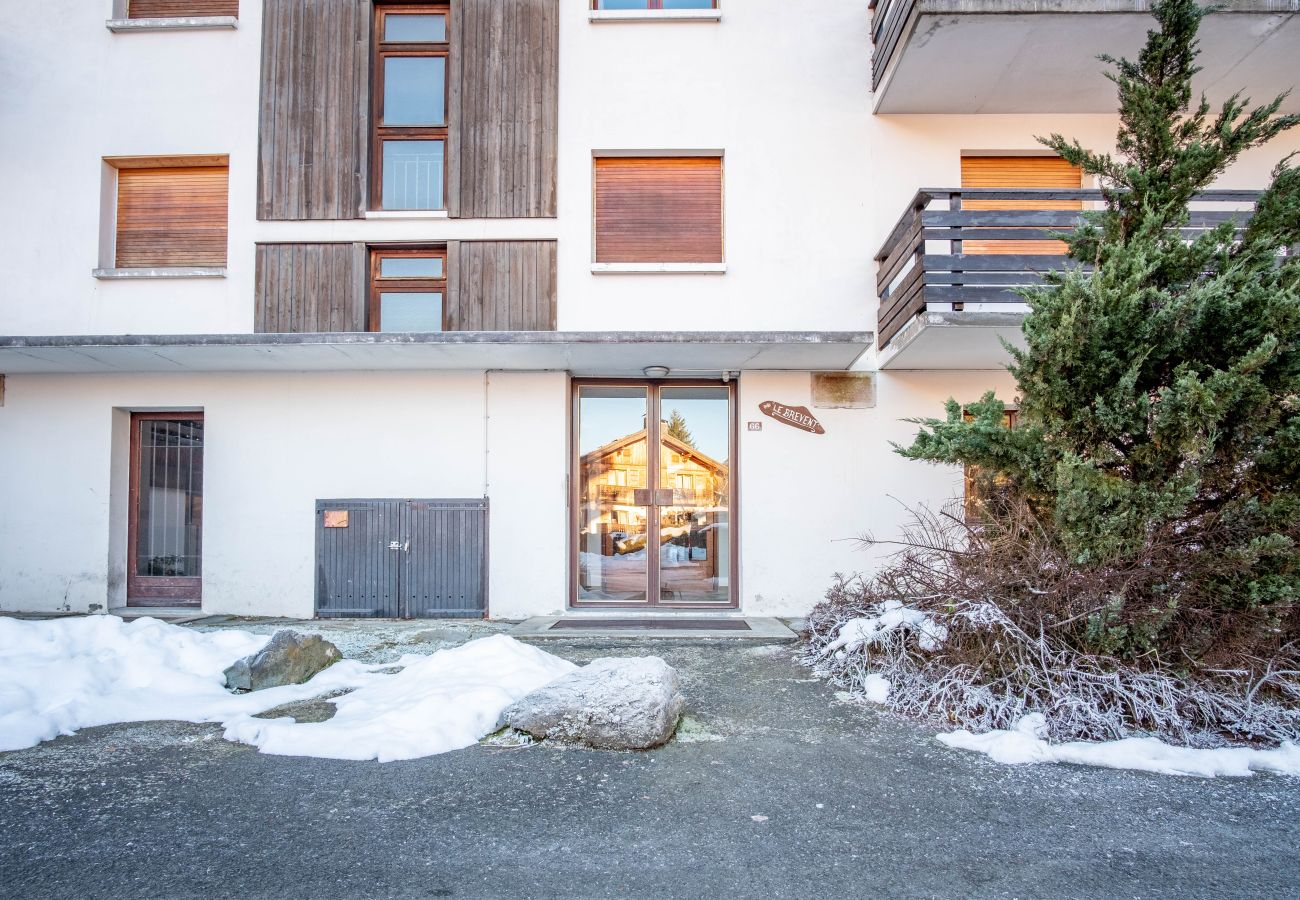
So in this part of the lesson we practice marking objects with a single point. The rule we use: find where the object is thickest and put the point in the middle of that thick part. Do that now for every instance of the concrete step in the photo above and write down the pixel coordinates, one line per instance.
(662, 627)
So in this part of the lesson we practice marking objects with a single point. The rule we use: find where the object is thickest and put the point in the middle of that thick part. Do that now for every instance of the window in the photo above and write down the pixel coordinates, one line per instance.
(180, 9)
(169, 214)
(1014, 172)
(654, 4)
(658, 209)
(979, 484)
(407, 288)
(410, 116)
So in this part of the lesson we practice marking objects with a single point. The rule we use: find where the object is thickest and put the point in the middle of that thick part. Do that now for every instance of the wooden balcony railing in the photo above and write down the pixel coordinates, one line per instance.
(942, 253)
(887, 24)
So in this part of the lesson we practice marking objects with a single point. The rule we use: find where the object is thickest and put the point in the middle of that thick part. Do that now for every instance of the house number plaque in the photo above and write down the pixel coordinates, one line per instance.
(336, 518)
(794, 416)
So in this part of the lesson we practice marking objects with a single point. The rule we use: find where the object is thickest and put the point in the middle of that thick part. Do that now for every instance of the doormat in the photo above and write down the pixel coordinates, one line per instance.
(664, 624)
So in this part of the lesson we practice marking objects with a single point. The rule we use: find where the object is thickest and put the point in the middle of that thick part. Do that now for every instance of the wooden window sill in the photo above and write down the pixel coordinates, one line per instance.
(186, 23)
(654, 15)
(168, 272)
(642, 268)
(405, 214)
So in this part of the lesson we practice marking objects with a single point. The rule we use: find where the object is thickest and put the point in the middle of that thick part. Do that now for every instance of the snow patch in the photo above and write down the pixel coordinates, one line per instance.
(893, 615)
(1024, 743)
(877, 688)
(436, 704)
(59, 676)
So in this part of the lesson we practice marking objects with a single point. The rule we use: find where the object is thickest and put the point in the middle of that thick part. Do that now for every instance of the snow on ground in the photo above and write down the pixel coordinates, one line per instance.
(1024, 743)
(437, 703)
(62, 675)
(893, 615)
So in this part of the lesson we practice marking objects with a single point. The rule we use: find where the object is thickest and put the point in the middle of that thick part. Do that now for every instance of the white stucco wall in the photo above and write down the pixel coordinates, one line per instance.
(807, 498)
(273, 445)
(527, 467)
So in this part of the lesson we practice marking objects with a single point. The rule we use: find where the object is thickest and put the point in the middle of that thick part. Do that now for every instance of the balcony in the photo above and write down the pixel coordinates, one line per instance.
(1040, 56)
(949, 270)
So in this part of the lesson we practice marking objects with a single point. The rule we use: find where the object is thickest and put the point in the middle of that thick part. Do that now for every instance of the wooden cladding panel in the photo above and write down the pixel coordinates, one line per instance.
(307, 288)
(501, 286)
(313, 124)
(659, 209)
(174, 9)
(171, 217)
(503, 109)
(1018, 172)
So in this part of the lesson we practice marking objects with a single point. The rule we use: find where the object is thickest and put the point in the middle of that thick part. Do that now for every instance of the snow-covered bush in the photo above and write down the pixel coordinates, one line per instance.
(968, 628)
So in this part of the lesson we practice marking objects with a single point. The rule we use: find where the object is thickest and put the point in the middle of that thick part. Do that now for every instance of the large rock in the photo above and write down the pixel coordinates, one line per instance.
(290, 658)
(610, 704)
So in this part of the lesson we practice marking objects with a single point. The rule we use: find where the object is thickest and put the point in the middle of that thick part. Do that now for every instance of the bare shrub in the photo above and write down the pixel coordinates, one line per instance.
(1017, 617)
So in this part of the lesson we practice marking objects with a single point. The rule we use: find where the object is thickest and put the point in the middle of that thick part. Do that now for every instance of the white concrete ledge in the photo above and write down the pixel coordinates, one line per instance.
(654, 15)
(658, 268)
(581, 352)
(171, 272)
(187, 23)
(404, 214)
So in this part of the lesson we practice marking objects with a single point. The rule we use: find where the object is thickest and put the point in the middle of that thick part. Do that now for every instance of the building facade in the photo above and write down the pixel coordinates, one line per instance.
(524, 307)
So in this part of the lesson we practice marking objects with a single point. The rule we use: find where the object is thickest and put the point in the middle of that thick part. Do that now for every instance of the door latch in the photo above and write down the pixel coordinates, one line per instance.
(394, 545)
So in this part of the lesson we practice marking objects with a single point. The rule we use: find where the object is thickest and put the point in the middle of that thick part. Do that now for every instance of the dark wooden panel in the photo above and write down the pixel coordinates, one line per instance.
(503, 108)
(313, 125)
(173, 9)
(659, 209)
(171, 217)
(501, 286)
(308, 288)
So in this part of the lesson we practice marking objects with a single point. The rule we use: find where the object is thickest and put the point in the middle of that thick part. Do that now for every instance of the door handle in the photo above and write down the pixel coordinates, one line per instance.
(656, 497)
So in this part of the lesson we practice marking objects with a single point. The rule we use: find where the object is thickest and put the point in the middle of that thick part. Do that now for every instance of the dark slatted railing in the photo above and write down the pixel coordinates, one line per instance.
(887, 24)
(922, 261)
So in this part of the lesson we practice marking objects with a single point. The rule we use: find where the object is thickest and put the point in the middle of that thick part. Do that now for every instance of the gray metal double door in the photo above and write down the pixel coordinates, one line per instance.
(402, 558)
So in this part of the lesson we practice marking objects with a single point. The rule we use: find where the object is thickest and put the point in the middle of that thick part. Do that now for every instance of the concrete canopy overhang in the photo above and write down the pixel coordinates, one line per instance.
(1040, 56)
(581, 353)
(964, 341)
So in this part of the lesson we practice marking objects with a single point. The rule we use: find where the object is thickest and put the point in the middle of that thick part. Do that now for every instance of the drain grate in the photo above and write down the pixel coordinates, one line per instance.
(664, 624)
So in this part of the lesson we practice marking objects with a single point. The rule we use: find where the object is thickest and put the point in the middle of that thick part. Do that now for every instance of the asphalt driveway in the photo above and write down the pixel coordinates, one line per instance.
(775, 789)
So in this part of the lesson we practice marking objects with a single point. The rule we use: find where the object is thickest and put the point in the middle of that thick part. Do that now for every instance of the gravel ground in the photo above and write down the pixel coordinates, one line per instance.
(773, 789)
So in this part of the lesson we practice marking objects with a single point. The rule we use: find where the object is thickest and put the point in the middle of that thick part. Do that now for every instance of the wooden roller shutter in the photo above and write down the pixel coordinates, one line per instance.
(1018, 172)
(313, 124)
(503, 108)
(171, 217)
(172, 9)
(659, 209)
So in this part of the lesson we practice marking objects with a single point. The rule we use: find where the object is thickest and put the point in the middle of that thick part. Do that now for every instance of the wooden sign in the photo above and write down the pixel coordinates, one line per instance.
(336, 518)
(794, 416)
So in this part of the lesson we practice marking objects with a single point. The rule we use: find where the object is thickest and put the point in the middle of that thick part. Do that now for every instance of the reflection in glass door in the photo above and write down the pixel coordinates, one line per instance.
(653, 494)
(695, 476)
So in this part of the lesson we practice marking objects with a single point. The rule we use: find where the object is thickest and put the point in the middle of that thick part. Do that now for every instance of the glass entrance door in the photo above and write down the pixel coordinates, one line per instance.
(653, 494)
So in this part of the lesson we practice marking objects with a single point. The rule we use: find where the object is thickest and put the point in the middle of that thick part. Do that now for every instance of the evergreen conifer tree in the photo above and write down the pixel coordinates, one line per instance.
(1159, 388)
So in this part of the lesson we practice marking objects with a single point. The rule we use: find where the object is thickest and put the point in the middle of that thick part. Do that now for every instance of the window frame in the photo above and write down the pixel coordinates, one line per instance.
(380, 133)
(403, 284)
